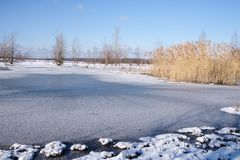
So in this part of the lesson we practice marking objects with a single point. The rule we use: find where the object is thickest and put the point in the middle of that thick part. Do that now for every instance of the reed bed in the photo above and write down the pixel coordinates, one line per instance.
(199, 62)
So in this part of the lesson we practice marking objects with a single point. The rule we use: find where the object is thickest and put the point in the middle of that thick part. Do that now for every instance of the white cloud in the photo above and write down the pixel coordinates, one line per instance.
(123, 18)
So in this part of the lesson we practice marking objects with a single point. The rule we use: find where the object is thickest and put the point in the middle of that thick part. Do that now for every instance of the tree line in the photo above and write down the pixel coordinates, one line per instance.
(110, 53)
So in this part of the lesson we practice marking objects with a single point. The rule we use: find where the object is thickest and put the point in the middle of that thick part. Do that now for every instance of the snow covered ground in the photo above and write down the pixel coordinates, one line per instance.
(41, 102)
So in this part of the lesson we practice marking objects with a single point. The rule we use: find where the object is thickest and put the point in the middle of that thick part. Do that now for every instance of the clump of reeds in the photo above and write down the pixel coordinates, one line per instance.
(200, 62)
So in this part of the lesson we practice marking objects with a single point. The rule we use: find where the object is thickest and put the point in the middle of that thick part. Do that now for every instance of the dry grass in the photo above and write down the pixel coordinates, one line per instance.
(200, 62)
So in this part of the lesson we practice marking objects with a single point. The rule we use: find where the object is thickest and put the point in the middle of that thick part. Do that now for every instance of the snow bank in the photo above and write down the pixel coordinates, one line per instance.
(232, 110)
(53, 149)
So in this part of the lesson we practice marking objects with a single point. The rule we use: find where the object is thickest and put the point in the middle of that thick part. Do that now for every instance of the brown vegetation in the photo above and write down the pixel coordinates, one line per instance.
(200, 62)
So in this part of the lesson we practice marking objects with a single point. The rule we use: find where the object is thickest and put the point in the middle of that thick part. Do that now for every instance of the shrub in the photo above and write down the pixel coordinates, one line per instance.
(59, 50)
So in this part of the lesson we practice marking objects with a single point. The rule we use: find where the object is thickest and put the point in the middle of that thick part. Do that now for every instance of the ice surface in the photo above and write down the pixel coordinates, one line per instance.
(50, 102)
(54, 102)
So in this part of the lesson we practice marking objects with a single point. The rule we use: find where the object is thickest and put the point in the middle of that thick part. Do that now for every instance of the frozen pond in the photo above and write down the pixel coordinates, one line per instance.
(42, 105)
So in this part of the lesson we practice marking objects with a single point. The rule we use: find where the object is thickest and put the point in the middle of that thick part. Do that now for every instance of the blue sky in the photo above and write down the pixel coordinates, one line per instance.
(144, 23)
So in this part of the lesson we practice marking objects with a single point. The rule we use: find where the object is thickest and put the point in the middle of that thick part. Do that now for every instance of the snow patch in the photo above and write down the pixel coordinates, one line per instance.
(207, 128)
(53, 149)
(78, 147)
(229, 130)
(123, 145)
(6, 155)
(20, 152)
(232, 110)
(193, 130)
(97, 156)
(105, 141)
(129, 154)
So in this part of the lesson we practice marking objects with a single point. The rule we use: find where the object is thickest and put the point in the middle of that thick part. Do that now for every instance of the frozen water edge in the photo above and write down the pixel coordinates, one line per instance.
(223, 143)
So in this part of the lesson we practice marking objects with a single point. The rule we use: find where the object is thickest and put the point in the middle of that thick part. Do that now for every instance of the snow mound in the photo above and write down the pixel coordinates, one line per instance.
(129, 154)
(20, 152)
(232, 110)
(212, 140)
(123, 145)
(53, 149)
(6, 155)
(105, 141)
(97, 156)
(193, 130)
(105, 154)
(139, 145)
(78, 147)
(229, 152)
(229, 130)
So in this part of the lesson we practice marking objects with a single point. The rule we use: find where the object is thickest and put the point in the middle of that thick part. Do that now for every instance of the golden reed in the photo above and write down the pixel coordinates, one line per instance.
(199, 62)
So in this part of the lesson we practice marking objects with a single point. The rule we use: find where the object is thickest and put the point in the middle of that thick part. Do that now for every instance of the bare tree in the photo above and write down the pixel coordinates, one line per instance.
(107, 54)
(59, 50)
(8, 48)
(89, 54)
(94, 55)
(137, 53)
(117, 49)
(202, 37)
(235, 41)
(75, 52)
